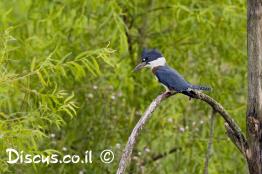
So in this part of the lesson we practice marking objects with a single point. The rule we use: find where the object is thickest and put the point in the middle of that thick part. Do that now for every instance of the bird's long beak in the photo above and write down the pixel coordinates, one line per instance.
(140, 66)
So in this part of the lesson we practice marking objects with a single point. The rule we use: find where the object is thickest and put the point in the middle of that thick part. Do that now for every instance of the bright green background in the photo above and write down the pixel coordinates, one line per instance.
(66, 81)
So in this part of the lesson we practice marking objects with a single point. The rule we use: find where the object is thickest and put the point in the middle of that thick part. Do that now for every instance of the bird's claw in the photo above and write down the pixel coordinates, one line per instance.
(167, 93)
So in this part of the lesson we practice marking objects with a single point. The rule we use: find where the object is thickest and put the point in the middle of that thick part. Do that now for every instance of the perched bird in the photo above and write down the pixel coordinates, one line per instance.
(167, 76)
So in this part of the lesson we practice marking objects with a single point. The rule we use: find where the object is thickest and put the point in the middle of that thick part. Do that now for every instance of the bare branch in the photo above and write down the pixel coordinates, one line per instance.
(239, 138)
(234, 138)
(236, 134)
(210, 141)
(132, 138)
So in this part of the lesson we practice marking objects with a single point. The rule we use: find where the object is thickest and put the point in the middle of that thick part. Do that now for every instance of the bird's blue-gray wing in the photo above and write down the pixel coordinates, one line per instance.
(171, 79)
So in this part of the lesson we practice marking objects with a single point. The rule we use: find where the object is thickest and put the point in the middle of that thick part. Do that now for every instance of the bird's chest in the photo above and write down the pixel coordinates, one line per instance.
(154, 72)
(167, 89)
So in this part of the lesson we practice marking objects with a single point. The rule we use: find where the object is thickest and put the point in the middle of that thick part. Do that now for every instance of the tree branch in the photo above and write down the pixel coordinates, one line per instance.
(210, 141)
(235, 134)
(239, 139)
(132, 138)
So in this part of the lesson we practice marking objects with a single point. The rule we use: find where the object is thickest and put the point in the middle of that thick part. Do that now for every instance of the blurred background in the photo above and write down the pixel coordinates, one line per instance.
(67, 86)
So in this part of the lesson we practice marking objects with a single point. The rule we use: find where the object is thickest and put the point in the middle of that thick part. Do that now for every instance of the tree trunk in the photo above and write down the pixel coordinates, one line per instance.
(254, 108)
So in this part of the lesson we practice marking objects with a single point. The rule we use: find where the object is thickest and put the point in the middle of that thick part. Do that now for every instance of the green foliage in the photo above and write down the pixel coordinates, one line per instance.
(66, 81)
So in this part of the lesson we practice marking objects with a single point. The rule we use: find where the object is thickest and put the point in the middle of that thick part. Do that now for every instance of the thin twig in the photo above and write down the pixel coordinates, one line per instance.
(161, 155)
(210, 141)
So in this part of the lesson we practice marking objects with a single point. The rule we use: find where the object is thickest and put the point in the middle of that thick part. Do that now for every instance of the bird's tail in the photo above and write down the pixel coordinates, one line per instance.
(202, 88)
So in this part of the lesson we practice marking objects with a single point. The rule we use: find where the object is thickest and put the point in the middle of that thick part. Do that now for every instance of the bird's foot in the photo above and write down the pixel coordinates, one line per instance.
(167, 93)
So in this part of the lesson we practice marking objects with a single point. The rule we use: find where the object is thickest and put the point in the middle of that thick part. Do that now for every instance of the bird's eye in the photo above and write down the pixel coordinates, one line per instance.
(145, 59)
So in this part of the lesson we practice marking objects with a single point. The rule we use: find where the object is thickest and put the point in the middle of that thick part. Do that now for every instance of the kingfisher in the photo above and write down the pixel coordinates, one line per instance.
(167, 76)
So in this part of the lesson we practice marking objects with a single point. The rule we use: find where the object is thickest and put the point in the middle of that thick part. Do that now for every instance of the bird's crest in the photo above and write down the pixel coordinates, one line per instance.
(151, 54)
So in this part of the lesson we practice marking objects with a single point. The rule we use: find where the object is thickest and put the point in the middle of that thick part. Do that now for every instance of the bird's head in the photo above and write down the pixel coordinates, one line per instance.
(151, 58)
